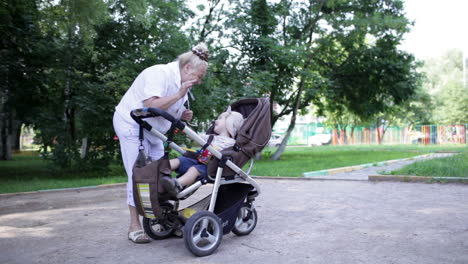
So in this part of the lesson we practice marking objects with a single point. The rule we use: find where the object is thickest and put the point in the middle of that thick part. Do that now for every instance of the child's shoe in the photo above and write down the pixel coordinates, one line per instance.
(171, 186)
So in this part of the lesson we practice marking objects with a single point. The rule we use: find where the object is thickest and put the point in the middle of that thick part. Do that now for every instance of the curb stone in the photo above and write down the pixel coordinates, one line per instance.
(358, 167)
(409, 178)
(282, 178)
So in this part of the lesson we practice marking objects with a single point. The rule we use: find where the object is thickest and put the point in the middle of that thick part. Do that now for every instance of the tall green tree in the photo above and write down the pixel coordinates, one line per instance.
(67, 28)
(298, 52)
(445, 83)
(375, 81)
(223, 83)
(20, 70)
(124, 45)
(94, 55)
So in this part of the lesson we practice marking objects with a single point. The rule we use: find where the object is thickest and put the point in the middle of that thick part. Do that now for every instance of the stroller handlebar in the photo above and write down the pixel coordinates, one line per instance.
(139, 114)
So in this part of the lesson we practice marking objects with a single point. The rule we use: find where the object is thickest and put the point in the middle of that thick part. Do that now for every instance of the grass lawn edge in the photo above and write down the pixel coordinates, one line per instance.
(358, 167)
(78, 189)
(412, 178)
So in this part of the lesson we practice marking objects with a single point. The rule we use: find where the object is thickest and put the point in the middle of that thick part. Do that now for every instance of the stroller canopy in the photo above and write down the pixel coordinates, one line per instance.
(254, 134)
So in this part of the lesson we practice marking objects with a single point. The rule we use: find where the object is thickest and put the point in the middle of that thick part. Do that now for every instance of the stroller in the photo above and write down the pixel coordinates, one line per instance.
(229, 206)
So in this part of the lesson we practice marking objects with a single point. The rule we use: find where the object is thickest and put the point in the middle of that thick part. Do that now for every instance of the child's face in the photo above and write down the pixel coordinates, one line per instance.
(220, 124)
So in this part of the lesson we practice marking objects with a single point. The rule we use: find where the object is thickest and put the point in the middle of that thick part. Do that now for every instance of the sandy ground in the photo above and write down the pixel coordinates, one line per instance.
(300, 221)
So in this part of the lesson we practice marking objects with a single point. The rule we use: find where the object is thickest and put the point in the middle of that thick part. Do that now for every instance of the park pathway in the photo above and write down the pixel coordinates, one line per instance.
(300, 221)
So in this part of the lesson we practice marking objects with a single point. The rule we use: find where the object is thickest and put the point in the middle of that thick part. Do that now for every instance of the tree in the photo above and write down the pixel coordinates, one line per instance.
(295, 52)
(445, 83)
(340, 119)
(299, 52)
(223, 83)
(381, 76)
(67, 32)
(92, 50)
(20, 69)
(124, 45)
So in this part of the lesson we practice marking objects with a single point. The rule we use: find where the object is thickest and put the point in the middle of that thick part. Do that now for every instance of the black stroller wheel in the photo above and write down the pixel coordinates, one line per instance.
(203, 233)
(246, 221)
(157, 228)
(160, 228)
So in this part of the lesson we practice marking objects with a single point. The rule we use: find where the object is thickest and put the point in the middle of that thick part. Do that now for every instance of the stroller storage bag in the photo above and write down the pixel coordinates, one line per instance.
(147, 189)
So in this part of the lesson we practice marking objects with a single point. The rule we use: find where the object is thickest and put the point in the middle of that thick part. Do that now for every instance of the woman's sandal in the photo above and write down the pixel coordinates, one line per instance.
(138, 237)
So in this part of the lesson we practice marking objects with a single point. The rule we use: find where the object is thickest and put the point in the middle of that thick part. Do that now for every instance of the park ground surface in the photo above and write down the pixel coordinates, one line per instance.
(300, 221)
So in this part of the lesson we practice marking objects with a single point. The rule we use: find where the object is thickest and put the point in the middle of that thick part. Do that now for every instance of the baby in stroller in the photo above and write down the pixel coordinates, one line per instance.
(191, 168)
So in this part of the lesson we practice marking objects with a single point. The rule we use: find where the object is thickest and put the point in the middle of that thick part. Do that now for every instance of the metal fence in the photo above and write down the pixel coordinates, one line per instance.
(426, 134)
(318, 134)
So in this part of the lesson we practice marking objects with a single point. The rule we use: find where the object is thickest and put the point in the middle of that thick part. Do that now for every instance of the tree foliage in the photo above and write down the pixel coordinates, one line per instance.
(90, 52)
(340, 52)
(20, 69)
(79, 57)
(445, 83)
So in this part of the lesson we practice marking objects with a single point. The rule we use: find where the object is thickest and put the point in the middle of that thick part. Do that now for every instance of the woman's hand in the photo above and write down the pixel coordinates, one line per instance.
(186, 86)
(165, 102)
(187, 115)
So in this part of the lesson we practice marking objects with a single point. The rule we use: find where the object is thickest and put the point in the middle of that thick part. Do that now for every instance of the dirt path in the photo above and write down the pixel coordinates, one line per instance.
(299, 222)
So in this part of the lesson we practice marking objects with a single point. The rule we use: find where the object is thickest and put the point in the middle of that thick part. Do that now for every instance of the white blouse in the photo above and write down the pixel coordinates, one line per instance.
(159, 80)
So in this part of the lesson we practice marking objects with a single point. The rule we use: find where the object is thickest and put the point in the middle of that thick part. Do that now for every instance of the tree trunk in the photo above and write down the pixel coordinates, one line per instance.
(338, 134)
(5, 126)
(282, 147)
(352, 135)
(5, 137)
(379, 136)
(16, 135)
(344, 135)
(84, 147)
(384, 129)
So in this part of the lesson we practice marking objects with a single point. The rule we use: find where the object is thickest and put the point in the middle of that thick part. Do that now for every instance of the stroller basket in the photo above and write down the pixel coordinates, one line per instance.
(200, 205)
(230, 199)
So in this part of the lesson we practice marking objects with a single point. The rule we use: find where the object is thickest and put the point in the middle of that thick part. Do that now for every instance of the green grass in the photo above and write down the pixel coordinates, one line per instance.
(296, 161)
(28, 172)
(455, 166)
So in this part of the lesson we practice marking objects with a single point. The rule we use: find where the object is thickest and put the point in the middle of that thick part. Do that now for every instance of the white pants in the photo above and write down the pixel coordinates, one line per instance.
(129, 147)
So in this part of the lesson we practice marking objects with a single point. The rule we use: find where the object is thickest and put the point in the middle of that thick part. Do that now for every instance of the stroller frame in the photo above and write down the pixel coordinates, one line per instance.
(206, 220)
(139, 114)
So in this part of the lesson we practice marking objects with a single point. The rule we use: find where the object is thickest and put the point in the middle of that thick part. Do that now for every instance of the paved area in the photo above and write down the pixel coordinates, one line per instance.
(362, 174)
(300, 221)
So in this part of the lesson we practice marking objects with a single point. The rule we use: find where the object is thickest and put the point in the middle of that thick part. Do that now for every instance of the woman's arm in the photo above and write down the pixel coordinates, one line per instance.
(161, 102)
(165, 102)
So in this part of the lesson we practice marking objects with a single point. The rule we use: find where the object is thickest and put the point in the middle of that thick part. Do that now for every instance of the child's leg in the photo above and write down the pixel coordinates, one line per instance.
(175, 164)
(190, 173)
(189, 177)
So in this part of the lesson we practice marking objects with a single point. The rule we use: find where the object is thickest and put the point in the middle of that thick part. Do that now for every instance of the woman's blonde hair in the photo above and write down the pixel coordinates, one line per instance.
(197, 57)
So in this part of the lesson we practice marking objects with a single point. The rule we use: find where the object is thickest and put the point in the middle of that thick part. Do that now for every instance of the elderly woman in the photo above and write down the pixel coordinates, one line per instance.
(163, 86)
